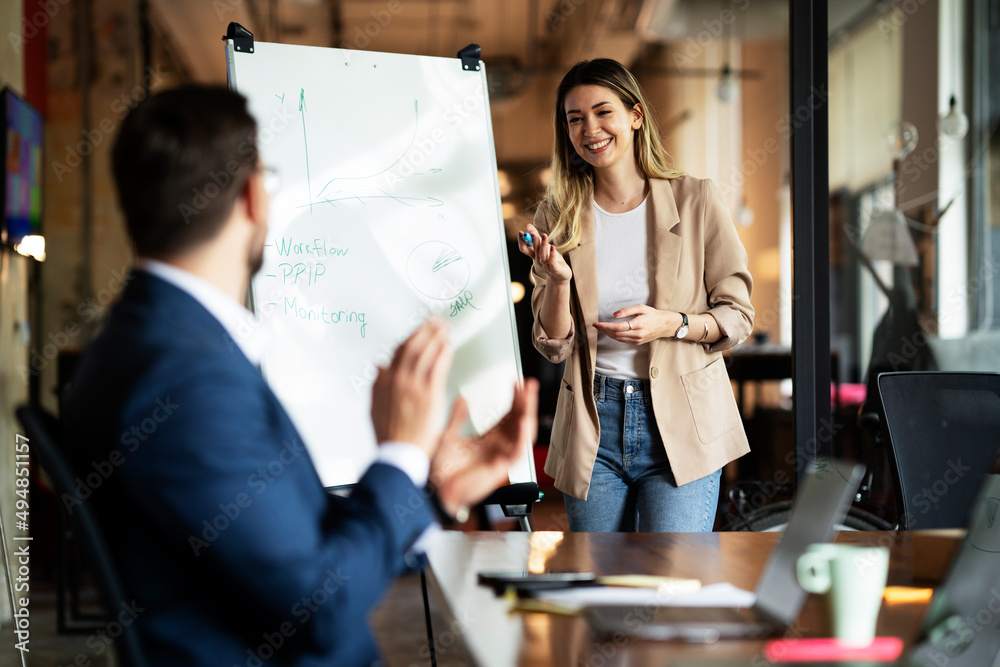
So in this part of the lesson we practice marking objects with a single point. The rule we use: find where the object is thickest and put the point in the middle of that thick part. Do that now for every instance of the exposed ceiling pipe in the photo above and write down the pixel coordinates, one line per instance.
(600, 38)
(533, 35)
(336, 23)
(255, 19)
(274, 30)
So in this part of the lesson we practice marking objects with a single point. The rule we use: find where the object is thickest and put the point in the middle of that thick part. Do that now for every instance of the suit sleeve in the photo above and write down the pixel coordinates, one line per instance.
(230, 482)
(727, 276)
(553, 349)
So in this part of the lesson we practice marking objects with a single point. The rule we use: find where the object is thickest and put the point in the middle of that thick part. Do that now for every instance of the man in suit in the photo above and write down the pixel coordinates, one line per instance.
(220, 526)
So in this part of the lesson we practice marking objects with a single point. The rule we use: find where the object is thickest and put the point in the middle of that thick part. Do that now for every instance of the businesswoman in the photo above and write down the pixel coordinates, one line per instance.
(640, 281)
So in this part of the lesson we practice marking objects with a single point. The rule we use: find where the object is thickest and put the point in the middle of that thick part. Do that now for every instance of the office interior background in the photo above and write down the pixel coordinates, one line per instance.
(913, 98)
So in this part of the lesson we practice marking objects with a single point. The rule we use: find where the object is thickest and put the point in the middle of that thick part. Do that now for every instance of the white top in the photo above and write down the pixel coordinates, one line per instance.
(251, 338)
(622, 280)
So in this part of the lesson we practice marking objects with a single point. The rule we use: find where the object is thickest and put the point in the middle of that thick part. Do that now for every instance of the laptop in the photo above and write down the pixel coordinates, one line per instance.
(962, 624)
(821, 504)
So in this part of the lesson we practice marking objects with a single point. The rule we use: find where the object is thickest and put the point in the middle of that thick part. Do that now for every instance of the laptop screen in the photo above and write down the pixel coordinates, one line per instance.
(820, 504)
(962, 625)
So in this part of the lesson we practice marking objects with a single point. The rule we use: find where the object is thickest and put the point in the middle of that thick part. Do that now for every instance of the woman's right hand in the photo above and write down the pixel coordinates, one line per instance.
(545, 256)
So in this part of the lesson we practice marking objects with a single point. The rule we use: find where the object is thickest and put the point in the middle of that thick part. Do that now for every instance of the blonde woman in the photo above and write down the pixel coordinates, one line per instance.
(640, 281)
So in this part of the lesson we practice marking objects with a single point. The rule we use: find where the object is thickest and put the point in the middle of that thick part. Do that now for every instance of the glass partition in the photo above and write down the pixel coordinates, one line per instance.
(915, 224)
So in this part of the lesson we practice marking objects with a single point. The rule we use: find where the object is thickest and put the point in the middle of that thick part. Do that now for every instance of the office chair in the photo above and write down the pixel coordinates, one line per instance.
(943, 431)
(43, 432)
(516, 500)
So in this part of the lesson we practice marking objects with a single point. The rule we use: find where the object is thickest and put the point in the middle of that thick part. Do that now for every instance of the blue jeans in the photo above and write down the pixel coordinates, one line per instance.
(632, 487)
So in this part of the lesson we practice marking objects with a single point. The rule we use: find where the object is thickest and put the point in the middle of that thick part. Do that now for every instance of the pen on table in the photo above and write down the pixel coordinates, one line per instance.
(527, 238)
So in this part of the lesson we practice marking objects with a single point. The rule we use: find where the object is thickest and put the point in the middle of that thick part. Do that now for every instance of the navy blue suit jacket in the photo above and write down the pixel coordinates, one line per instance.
(226, 539)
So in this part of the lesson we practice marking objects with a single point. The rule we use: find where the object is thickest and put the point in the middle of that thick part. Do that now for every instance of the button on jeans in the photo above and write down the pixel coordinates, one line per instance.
(632, 487)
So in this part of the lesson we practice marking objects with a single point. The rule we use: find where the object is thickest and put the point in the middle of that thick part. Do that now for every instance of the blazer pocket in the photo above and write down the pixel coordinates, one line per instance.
(562, 424)
(710, 398)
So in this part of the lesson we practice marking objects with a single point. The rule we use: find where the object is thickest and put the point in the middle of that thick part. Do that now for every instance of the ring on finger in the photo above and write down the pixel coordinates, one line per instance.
(629, 325)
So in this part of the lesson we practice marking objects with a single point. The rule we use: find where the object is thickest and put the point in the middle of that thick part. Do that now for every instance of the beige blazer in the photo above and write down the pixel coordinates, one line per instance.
(700, 266)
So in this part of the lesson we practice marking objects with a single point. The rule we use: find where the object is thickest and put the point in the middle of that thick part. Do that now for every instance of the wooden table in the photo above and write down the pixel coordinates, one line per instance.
(472, 626)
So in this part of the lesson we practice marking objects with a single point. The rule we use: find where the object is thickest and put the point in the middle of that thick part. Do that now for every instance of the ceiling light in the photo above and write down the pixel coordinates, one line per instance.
(953, 124)
(902, 138)
(728, 89)
(517, 291)
(505, 184)
(32, 246)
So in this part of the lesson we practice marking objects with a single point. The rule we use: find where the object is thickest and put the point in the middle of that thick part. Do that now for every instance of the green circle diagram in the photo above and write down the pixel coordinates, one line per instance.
(437, 270)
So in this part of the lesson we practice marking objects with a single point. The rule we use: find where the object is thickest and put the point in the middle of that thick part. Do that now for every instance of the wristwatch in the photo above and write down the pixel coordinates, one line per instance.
(443, 515)
(682, 330)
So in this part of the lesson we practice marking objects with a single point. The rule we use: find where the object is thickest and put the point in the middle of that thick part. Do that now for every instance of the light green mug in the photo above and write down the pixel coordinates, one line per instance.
(853, 577)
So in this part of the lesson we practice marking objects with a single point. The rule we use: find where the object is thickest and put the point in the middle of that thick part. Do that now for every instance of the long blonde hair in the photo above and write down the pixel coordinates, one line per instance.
(572, 183)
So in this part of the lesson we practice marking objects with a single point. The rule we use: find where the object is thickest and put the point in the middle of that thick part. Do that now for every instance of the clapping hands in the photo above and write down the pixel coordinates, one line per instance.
(408, 401)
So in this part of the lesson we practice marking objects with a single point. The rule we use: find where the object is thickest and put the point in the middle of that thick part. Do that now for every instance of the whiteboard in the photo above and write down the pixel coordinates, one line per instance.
(387, 211)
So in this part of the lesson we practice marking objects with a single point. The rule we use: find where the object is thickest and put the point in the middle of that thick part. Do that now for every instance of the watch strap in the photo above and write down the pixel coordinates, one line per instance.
(443, 515)
(682, 330)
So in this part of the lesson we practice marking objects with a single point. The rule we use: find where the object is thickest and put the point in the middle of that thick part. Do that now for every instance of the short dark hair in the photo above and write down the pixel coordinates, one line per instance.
(180, 160)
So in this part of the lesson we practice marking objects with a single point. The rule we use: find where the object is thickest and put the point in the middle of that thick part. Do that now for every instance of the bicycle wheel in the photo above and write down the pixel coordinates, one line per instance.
(774, 518)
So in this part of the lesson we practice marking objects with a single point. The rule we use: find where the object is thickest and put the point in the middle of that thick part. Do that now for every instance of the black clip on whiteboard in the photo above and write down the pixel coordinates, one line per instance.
(242, 38)
(470, 57)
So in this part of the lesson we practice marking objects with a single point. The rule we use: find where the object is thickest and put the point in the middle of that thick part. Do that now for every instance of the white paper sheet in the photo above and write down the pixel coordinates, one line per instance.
(713, 595)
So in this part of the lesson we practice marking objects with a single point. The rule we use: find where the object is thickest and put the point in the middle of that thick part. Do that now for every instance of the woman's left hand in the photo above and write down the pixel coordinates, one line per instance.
(642, 324)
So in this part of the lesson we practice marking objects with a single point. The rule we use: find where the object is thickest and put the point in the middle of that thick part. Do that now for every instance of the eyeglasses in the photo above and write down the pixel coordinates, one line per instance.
(272, 179)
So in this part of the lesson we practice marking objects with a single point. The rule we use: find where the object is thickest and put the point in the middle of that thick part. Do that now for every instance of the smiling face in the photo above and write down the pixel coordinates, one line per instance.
(600, 127)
